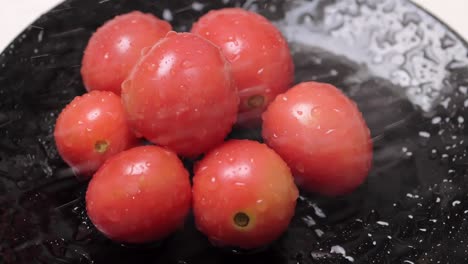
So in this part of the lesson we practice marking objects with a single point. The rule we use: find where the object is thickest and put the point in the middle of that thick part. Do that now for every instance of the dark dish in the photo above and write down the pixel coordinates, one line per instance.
(407, 72)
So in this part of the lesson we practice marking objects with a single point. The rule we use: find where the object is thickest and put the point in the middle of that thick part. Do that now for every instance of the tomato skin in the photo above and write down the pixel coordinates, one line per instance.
(181, 95)
(140, 195)
(261, 61)
(90, 129)
(115, 47)
(322, 136)
(243, 176)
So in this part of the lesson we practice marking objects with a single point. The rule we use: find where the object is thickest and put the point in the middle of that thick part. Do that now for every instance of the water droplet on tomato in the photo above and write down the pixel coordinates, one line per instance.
(261, 205)
(187, 64)
(300, 167)
(299, 112)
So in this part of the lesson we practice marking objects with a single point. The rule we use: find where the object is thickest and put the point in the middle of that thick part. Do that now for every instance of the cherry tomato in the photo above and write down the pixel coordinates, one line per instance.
(261, 62)
(322, 136)
(181, 95)
(139, 195)
(90, 129)
(243, 195)
(115, 48)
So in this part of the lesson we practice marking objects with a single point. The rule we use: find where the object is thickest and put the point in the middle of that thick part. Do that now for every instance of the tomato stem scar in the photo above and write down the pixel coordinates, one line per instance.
(101, 146)
(241, 219)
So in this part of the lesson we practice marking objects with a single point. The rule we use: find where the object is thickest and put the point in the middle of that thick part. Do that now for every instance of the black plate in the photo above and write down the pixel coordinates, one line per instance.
(407, 72)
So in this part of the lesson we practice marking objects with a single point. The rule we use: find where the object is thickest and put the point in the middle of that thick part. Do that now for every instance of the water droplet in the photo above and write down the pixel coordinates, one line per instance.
(424, 134)
(463, 89)
(319, 232)
(299, 112)
(433, 154)
(300, 167)
(309, 221)
(187, 64)
(197, 6)
(318, 211)
(261, 205)
(167, 15)
(436, 120)
(260, 71)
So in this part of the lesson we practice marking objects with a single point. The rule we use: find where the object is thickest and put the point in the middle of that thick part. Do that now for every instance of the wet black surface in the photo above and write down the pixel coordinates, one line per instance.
(407, 72)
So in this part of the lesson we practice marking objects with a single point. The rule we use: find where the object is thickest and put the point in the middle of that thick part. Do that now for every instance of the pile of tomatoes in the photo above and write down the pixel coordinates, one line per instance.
(155, 95)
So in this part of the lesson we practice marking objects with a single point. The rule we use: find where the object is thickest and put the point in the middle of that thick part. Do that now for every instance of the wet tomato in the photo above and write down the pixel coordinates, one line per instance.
(181, 95)
(140, 195)
(244, 195)
(90, 129)
(322, 136)
(261, 62)
(115, 48)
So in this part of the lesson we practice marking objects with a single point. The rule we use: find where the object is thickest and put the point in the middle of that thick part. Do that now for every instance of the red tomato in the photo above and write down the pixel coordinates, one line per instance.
(90, 129)
(180, 95)
(261, 62)
(322, 136)
(243, 195)
(140, 195)
(115, 48)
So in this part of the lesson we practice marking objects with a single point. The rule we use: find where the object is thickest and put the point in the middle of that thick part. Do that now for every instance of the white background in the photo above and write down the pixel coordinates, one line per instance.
(15, 15)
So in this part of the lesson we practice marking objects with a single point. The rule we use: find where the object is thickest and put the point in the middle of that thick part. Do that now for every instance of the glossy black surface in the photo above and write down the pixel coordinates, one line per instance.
(407, 72)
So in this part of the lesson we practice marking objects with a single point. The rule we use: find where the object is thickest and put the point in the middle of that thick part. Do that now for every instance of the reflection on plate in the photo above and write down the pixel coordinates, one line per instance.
(407, 72)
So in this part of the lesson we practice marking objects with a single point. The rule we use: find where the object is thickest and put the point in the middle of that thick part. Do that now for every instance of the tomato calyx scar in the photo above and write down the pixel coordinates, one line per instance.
(101, 146)
(241, 219)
